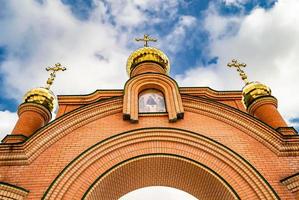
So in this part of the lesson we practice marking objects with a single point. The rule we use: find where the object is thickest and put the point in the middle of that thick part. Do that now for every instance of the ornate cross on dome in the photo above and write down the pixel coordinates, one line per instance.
(238, 65)
(55, 69)
(146, 39)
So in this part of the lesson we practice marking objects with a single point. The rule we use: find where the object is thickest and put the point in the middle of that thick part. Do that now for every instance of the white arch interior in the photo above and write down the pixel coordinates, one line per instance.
(157, 192)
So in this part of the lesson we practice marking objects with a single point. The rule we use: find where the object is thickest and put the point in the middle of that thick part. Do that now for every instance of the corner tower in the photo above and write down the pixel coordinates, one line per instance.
(258, 100)
(36, 109)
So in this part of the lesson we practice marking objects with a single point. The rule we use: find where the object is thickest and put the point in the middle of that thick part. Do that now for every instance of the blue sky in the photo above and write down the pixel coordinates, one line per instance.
(93, 38)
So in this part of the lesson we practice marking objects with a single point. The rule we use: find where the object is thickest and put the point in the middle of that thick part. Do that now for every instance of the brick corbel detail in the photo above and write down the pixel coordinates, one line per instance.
(157, 81)
(292, 183)
(8, 191)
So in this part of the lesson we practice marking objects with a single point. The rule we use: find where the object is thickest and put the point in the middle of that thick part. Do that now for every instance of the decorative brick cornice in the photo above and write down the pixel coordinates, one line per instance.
(9, 191)
(14, 138)
(211, 94)
(80, 100)
(292, 182)
(103, 94)
(287, 130)
(88, 98)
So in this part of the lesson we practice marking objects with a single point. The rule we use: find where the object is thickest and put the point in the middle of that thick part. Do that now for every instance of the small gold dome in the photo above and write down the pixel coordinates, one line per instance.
(147, 54)
(41, 96)
(254, 90)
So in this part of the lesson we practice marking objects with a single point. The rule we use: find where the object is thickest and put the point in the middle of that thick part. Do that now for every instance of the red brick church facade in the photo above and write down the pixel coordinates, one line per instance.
(211, 144)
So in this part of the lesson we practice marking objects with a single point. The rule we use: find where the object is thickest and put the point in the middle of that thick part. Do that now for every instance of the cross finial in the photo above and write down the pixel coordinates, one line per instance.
(146, 39)
(238, 65)
(53, 70)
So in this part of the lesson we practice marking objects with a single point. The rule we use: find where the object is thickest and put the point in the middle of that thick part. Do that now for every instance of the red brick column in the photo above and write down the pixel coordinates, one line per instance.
(265, 109)
(32, 116)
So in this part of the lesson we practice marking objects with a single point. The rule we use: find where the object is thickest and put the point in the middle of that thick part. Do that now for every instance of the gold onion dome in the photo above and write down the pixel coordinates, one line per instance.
(41, 96)
(148, 54)
(254, 90)
(251, 90)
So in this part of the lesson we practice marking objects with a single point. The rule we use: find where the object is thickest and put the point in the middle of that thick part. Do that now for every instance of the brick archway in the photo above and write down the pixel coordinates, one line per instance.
(220, 161)
(161, 170)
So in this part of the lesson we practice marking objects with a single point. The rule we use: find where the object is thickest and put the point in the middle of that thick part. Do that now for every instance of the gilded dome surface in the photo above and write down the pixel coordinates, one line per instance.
(150, 54)
(254, 90)
(41, 96)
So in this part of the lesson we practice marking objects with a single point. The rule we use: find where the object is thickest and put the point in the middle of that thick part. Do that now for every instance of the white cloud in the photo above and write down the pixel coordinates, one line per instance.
(8, 120)
(219, 26)
(234, 2)
(37, 37)
(173, 41)
(126, 13)
(94, 50)
(267, 40)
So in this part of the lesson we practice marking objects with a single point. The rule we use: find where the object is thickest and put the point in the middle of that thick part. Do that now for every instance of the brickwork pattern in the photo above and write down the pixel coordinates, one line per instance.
(103, 156)
(163, 170)
(53, 147)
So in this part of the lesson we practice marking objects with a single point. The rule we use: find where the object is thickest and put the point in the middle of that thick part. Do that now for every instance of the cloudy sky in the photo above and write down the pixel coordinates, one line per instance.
(93, 38)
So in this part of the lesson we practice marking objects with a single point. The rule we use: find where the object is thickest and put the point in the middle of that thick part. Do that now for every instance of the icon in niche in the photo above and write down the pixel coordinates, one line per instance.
(151, 101)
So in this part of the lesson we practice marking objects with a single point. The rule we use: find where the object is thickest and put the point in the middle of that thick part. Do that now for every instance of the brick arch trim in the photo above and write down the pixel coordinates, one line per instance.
(26, 152)
(9, 191)
(183, 169)
(83, 171)
(271, 138)
(165, 84)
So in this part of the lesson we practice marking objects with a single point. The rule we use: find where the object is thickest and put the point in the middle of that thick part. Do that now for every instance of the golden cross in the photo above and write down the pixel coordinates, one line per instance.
(146, 39)
(55, 69)
(238, 65)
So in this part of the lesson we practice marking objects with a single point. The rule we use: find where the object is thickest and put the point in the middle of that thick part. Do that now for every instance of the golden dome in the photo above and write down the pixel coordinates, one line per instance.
(41, 96)
(254, 90)
(145, 54)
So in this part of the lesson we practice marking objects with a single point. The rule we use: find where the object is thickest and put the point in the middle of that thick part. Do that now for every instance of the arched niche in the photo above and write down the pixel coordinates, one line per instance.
(163, 83)
(151, 101)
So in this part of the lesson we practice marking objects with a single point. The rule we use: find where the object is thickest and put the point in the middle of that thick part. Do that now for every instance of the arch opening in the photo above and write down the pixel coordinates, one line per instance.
(162, 170)
(101, 160)
(157, 192)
